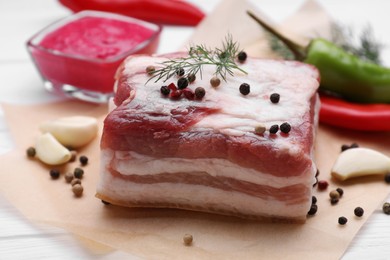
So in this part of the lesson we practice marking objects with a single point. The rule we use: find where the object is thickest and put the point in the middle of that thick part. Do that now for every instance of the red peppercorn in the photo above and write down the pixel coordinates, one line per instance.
(323, 185)
(188, 93)
(176, 94)
(172, 87)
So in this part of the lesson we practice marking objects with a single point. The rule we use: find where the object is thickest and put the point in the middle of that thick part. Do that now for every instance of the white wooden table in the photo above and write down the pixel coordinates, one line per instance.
(20, 83)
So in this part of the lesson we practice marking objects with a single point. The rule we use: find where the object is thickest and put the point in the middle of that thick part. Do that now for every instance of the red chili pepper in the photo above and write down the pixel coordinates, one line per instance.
(366, 117)
(157, 11)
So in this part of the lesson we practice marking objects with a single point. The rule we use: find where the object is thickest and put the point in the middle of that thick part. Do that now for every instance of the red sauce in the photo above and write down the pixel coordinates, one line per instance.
(86, 52)
(96, 37)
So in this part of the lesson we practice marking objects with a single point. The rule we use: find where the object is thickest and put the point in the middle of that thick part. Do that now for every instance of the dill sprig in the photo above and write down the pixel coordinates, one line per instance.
(279, 47)
(222, 58)
(366, 47)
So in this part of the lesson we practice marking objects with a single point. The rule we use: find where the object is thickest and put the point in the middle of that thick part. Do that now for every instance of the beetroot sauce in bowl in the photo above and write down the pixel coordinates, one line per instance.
(79, 55)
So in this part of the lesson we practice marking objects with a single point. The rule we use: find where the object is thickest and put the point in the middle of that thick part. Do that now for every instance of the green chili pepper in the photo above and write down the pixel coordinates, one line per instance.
(341, 72)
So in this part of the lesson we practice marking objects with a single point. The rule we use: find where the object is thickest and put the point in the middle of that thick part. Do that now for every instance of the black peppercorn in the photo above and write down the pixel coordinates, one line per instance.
(340, 191)
(313, 209)
(386, 208)
(316, 182)
(54, 174)
(274, 129)
(78, 173)
(182, 83)
(387, 177)
(31, 152)
(275, 97)
(344, 147)
(242, 56)
(191, 78)
(354, 145)
(359, 211)
(334, 201)
(285, 128)
(245, 89)
(165, 90)
(200, 92)
(313, 200)
(83, 160)
(343, 220)
(180, 72)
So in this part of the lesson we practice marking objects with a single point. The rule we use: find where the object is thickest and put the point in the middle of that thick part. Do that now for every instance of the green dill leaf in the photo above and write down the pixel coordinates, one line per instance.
(279, 47)
(198, 56)
(365, 47)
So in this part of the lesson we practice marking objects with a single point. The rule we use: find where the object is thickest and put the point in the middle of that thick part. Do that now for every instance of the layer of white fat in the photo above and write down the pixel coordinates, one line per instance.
(206, 197)
(295, 83)
(132, 163)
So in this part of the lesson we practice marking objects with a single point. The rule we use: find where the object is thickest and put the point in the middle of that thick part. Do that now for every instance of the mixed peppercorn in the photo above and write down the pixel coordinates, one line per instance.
(181, 89)
(74, 178)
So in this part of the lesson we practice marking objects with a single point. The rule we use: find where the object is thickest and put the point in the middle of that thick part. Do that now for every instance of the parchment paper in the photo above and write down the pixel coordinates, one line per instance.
(157, 233)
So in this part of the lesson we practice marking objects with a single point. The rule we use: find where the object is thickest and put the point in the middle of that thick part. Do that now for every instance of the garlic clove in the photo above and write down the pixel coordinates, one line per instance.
(50, 151)
(74, 131)
(360, 162)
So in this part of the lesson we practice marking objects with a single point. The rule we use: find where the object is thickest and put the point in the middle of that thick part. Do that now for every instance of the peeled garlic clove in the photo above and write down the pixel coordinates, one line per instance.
(360, 162)
(74, 131)
(50, 151)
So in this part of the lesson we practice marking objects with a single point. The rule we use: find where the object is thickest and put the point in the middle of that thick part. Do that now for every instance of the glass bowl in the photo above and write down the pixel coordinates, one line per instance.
(79, 55)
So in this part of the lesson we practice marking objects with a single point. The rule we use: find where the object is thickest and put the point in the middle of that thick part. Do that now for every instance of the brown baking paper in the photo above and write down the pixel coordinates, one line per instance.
(158, 233)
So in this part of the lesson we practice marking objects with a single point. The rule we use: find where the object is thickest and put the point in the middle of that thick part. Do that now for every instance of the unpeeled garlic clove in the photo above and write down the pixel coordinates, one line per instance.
(50, 151)
(74, 131)
(360, 162)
